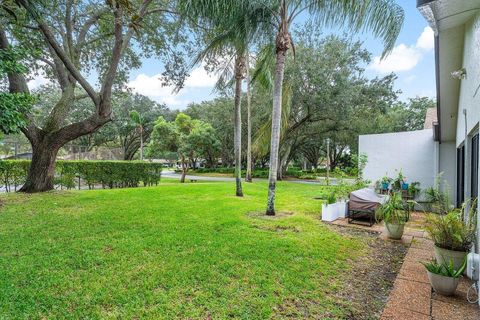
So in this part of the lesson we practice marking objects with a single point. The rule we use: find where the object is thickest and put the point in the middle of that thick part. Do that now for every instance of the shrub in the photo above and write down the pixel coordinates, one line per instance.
(394, 210)
(112, 174)
(332, 198)
(453, 231)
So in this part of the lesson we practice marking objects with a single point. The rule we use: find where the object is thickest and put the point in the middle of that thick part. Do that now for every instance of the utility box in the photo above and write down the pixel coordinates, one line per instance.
(473, 266)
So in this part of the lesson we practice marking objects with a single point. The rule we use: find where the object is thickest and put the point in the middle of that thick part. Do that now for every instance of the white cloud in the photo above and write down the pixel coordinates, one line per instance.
(199, 78)
(403, 57)
(37, 80)
(151, 86)
(426, 40)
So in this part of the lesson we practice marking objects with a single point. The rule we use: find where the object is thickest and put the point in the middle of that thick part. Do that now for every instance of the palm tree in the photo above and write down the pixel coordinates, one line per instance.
(383, 17)
(248, 174)
(138, 120)
(236, 20)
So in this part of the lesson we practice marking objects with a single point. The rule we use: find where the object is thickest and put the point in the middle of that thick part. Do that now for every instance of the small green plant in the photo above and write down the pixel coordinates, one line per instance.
(398, 181)
(439, 199)
(455, 230)
(393, 211)
(414, 188)
(445, 269)
(362, 163)
(386, 180)
(332, 198)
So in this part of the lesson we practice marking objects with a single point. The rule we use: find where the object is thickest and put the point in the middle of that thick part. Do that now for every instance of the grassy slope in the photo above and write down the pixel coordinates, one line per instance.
(190, 250)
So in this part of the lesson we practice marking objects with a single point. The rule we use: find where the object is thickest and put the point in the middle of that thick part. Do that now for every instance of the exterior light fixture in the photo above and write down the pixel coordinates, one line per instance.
(459, 74)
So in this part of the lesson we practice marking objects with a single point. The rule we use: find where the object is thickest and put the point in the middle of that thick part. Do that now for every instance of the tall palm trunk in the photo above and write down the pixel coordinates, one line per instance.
(282, 43)
(141, 142)
(248, 175)
(239, 75)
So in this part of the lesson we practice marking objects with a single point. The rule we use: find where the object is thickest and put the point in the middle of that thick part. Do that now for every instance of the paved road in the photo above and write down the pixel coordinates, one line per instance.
(320, 180)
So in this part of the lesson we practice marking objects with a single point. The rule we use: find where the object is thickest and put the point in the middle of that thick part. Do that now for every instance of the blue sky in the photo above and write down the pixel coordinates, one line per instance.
(412, 60)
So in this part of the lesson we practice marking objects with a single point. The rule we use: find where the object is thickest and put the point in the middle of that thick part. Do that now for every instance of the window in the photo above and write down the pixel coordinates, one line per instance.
(474, 171)
(460, 176)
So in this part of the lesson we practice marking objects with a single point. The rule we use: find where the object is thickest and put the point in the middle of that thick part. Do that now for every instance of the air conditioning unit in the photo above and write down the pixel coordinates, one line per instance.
(473, 266)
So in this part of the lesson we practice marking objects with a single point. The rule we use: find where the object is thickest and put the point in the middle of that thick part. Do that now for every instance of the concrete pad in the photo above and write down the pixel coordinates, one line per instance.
(454, 311)
(402, 314)
(413, 271)
(422, 243)
(411, 295)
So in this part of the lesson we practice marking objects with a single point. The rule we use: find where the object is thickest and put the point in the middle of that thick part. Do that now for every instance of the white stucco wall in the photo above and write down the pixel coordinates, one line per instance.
(469, 87)
(469, 99)
(414, 152)
(448, 165)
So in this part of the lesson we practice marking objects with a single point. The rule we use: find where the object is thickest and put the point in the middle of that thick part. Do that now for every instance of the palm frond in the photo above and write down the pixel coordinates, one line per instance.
(384, 18)
(261, 143)
(265, 61)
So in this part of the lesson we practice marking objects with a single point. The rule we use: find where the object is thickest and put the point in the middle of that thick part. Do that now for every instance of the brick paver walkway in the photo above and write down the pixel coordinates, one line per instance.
(413, 298)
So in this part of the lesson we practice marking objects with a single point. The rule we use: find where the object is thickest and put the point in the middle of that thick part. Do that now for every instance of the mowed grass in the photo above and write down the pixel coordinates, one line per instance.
(176, 251)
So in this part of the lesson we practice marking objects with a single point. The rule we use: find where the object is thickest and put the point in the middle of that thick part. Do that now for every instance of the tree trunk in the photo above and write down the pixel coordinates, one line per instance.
(248, 175)
(42, 168)
(184, 170)
(283, 161)
(275, 139)
(141, 142)
(239, 62)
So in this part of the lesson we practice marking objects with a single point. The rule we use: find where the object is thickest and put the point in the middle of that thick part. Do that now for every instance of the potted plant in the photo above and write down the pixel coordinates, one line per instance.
(453, 234)
(395, 215)
(414, 189)
(385, 181)
(329, 212)
(399, 181)
(444, 277)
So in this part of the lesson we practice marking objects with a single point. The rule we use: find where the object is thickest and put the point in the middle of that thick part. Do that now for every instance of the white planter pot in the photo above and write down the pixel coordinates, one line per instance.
(445, 256)
(445, 286)
(331, 212)
(342, 209)
(394, 231)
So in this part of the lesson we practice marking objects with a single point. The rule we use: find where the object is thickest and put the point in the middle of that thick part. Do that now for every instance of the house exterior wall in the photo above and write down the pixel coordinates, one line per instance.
(469, 99)
(415, 152)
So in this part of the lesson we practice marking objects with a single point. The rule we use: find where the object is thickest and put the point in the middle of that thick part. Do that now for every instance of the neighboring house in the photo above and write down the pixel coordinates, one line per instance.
(449, 144)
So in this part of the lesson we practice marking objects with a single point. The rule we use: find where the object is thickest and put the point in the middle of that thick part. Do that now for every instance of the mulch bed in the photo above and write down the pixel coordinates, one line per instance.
(369, 282)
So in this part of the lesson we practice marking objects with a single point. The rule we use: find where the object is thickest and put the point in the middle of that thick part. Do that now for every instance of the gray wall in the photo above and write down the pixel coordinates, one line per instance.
(414, 152)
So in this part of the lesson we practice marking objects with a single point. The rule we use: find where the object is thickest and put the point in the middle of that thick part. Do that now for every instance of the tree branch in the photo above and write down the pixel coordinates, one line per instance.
(18, 84)
(86, 27)
(47, 33)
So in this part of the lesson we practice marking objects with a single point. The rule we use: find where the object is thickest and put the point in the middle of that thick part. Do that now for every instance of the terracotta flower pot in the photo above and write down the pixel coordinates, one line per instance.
(446, 286)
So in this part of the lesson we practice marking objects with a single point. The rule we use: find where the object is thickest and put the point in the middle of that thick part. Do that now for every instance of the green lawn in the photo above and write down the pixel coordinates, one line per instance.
(173, 251)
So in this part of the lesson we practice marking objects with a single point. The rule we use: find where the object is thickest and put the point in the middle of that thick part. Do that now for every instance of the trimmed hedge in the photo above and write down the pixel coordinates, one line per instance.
(70, 174)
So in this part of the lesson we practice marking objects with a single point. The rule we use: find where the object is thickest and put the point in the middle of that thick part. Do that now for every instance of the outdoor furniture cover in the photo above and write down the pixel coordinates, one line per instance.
(362, 205)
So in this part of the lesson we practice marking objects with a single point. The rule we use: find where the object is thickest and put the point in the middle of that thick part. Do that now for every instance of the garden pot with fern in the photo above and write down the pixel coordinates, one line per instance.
(395, 215)
(453, 235)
